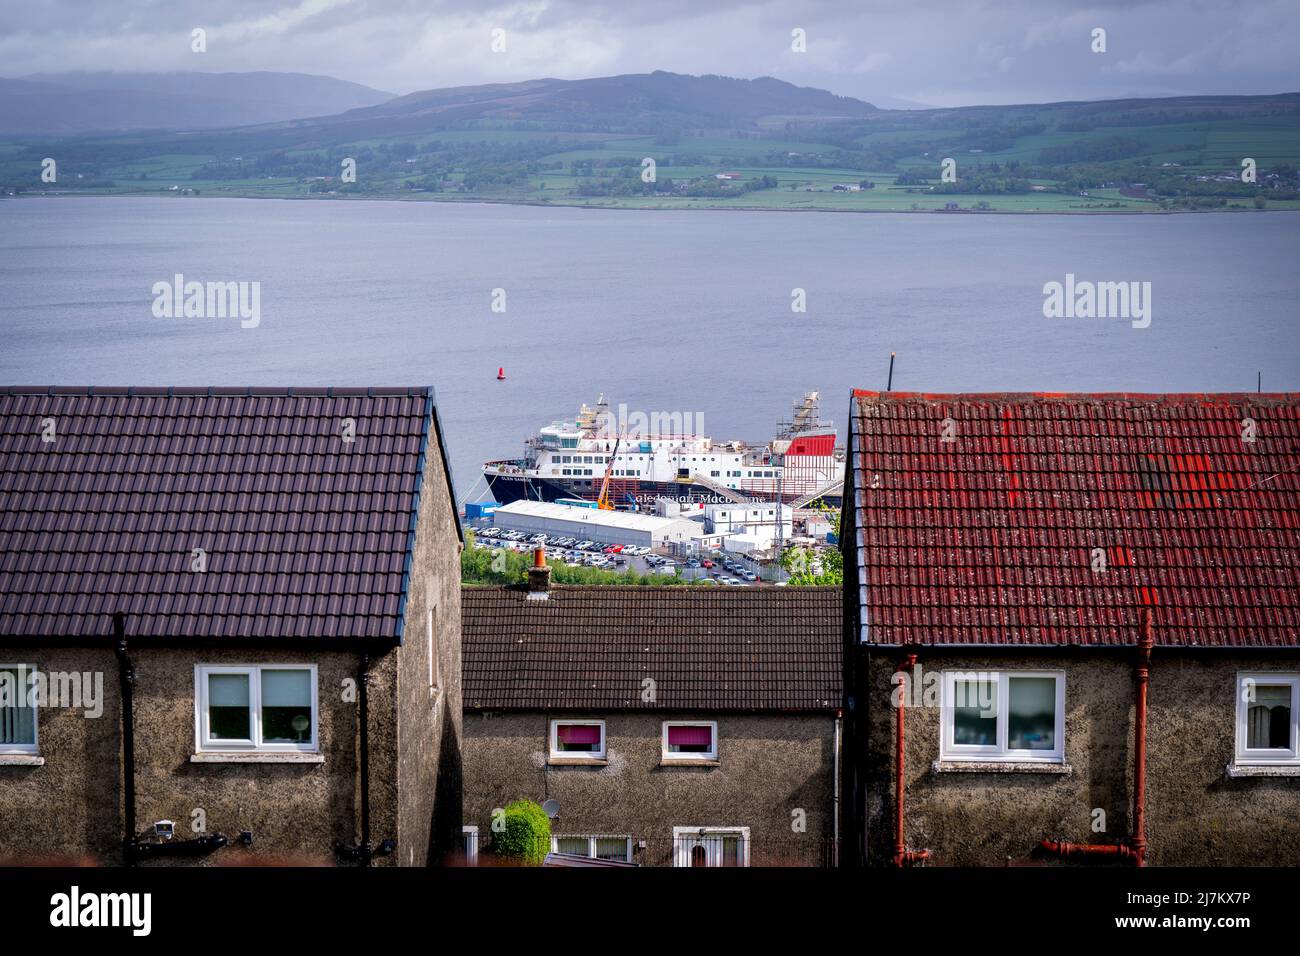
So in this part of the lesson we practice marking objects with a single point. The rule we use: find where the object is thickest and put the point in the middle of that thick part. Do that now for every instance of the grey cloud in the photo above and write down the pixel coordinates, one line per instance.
(945, 54)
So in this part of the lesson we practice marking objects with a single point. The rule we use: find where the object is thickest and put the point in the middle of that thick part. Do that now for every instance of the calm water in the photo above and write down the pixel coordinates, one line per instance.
(672, 311)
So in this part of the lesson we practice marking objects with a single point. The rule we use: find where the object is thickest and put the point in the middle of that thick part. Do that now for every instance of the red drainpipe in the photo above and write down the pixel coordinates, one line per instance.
(1145, 643)
(1134, 848)
(902, 855)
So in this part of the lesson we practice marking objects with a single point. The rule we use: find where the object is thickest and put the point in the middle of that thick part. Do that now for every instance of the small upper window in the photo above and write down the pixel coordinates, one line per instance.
(578, 739)
(17, 709)
(597, 847)
(1268, 718)
(1004, 715)
(690, 740)
(259, 707)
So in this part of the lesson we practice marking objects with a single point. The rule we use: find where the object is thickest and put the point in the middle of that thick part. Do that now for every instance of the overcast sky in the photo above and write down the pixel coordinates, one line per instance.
(939, 53)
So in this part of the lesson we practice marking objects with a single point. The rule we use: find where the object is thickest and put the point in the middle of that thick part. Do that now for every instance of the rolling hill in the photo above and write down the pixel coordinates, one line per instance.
(65, 104)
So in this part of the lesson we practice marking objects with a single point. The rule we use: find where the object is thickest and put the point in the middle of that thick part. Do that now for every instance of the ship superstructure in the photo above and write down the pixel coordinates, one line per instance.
(654, 459)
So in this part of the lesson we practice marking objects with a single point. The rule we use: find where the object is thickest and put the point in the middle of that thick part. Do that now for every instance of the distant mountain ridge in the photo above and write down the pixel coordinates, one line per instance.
(643, 99)
(65, 104)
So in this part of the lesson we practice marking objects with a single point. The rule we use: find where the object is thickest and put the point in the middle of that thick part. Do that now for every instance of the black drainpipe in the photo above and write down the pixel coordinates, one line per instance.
(126, 680)
(133, 848)
(363, 852)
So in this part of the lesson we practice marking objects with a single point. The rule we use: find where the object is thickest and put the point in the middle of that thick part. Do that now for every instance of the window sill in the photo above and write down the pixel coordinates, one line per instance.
(678, 762)
(21, 760)
(1001, 766)
(1262, 770)
(578, 762)
(256, 757)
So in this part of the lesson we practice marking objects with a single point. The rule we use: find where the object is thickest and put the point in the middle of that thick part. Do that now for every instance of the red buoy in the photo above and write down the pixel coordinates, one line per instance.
(501, 375)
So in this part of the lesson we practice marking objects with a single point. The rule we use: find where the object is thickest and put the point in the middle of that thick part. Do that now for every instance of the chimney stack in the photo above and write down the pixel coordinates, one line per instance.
(539, 577)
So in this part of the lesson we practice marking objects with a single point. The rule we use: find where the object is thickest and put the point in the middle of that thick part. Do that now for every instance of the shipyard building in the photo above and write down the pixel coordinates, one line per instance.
(607, 527)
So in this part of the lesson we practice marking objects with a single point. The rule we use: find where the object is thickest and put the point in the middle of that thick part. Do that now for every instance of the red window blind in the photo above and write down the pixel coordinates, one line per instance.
(578, 733)
(690, 736)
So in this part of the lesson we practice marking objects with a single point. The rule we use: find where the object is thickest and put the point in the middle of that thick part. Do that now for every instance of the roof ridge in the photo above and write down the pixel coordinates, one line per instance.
(1145, 397)
(223, 391)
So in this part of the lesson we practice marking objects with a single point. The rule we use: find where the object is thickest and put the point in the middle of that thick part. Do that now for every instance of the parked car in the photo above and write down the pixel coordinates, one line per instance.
(666, 569)
(584, 545)
(692, 563)
(706, 563)
(748, 575)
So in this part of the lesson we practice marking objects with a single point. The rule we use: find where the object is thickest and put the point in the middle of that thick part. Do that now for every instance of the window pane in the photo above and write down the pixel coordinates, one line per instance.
(732, 851)
(611, 848)
(286, 707)
(975, 713)
(577, 845)
(228, 716)
(1268, 718)
(17, 720)
(578, 738)
(1031, 713)
(690, 740)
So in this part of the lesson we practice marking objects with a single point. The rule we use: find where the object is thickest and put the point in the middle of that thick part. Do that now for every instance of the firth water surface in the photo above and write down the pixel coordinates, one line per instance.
(663, 311)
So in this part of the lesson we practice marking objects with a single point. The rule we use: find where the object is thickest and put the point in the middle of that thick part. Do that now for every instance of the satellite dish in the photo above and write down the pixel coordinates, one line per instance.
(551, 808)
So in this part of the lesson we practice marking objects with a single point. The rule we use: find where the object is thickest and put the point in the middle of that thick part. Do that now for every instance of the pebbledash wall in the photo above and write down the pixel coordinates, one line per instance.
(67, 802)
(1196, 813)
(769, 767)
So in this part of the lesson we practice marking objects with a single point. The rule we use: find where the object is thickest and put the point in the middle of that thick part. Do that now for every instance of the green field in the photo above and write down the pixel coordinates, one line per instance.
(1167, 156)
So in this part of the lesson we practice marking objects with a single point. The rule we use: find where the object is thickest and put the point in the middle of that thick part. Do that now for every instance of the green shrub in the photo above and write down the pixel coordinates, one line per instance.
(526, 835)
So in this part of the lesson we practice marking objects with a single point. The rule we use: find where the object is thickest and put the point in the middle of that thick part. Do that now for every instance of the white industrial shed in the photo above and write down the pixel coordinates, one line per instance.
(608, 527)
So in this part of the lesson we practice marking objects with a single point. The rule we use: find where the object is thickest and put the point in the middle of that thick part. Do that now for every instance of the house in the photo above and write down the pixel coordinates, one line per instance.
(671, 726)
(756, 520)
(236, 612)
(1072, 629)
(728, 176)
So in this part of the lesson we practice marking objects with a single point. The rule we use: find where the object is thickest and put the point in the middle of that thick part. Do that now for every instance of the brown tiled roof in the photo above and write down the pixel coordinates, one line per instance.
(593, 648)
(305, 536)
(1055, 519)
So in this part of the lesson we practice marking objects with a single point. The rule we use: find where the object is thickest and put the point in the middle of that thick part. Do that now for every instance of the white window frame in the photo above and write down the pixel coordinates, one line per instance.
(665, 754)
(591, 839)
(558, 754)
(204, 743)
(27, 673)
(999, 752)
(683, 845)
(469, 834)
(1267, 757)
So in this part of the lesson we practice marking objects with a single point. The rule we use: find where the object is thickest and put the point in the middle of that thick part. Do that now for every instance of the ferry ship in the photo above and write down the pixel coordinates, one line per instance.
(569, 459)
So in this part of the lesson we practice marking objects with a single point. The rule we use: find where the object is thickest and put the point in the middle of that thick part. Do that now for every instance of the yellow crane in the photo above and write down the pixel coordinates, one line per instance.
(603, 502)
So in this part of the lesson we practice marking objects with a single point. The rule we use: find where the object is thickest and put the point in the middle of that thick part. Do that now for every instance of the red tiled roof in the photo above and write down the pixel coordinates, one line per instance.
(305, 536)
(991, 538)
(592, 648)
